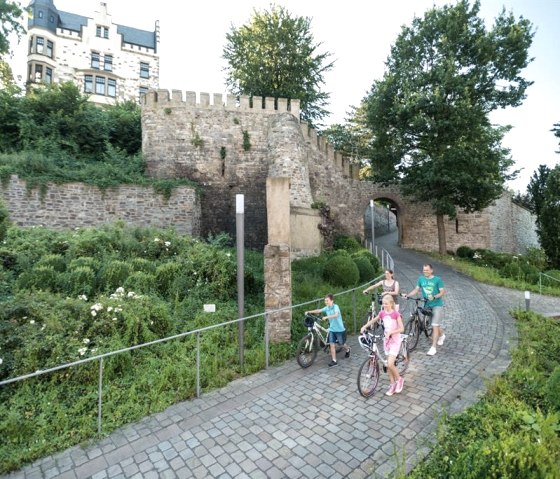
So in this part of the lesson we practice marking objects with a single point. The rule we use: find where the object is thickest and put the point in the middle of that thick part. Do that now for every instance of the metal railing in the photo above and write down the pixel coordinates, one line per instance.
(197, 332)
(549, 277)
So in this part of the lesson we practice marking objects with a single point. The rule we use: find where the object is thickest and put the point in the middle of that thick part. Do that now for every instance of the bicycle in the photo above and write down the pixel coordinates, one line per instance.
(372, 312)
(315, 339)
(420, 321)
(368, 374)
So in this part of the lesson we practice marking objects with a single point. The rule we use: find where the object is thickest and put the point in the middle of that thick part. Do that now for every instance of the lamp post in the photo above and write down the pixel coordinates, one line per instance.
(372, 227)
(240, 235)
(388, 226)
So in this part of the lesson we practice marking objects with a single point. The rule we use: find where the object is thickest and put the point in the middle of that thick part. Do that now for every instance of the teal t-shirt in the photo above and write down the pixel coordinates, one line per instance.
(335, 324)
(431, 286)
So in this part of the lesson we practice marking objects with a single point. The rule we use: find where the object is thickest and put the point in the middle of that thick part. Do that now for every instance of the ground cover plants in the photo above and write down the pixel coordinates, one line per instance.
(73, 295)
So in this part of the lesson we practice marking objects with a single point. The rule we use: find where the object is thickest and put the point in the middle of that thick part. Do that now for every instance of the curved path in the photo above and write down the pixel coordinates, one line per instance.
(290, 423)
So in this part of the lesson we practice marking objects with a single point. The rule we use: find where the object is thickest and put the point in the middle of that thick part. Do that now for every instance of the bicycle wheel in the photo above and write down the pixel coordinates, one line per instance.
(368, 376)
(306, 351)
(413, 330)
(428, 328)
(403, 358)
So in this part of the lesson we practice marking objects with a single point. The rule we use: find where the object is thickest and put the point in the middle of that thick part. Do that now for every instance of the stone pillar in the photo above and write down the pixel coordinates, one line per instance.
(277, 264)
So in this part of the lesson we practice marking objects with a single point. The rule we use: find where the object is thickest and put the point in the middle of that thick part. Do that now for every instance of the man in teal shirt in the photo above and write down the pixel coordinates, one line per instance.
(433, 291)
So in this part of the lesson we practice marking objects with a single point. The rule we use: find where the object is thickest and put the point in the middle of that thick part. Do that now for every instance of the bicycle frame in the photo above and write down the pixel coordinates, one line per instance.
(418, 322)
(316, 338)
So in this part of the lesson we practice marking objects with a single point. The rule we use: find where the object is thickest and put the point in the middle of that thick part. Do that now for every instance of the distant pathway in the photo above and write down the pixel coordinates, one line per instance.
(287, 422)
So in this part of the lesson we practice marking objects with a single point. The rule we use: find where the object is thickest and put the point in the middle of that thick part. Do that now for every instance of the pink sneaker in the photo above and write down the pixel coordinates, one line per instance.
(391, 389)
(399, 385)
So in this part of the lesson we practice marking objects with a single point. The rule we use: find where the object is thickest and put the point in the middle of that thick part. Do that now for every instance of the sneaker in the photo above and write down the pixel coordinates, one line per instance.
(441, 340)
(399, 385)
(347, 355)
(391, 389)
(432, 351)
(332, 363)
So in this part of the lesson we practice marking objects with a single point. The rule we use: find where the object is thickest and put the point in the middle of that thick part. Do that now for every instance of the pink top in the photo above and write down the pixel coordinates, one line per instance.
(390, 323)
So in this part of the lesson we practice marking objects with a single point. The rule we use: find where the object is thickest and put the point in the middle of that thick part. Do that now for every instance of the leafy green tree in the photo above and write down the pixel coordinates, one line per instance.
(274, 55)
(430, 112)
(10, 116)
(536, 187)
(548, 224)
(9, 15)
(125, 127)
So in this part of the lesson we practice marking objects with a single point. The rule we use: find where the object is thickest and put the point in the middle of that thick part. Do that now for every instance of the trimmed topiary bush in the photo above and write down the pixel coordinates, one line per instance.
(465, 252)
(341, 270)
(347, 243)
(365, 268)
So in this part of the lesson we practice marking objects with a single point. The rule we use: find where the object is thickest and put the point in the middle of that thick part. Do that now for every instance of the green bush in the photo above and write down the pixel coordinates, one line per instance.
(79, 280)
(55, 261)
(43, 278)
(113, 275)
(365, 268)
(341, 270)
(465, 252)
(552, 390)
(4, 221)
(374, 260)
(347, 243)
(552, 278)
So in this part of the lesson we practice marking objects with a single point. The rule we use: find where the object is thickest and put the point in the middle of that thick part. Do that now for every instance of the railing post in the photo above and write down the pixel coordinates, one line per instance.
(99, 397)
(197, 365)
(266, 340)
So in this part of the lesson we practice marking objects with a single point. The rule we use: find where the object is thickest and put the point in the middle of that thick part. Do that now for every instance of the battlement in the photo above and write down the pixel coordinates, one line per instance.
(163, 99)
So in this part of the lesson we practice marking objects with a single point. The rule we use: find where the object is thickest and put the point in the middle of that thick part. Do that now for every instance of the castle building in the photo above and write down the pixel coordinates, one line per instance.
(109, 62)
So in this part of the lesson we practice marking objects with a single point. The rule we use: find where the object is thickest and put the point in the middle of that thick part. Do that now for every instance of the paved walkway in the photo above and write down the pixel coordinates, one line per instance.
(287, 422)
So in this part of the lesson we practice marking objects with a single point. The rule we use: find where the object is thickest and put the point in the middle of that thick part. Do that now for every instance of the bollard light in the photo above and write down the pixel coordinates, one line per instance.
(527, 300)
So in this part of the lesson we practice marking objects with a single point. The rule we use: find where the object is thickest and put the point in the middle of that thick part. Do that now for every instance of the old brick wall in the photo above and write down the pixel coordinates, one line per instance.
(72, 205)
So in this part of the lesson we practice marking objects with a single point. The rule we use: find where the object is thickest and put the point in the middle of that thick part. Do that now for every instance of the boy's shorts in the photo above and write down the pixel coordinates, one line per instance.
(337, 337)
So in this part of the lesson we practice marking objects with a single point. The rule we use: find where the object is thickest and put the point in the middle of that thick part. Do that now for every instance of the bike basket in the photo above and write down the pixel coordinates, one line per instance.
(309, 321)
(366, 341)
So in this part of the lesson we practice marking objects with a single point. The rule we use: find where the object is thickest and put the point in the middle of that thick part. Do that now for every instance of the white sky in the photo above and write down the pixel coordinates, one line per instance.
(359, 34)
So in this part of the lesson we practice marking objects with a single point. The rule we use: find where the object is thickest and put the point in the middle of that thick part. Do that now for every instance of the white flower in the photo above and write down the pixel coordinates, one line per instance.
(93, 312)
(157, 240)
(109, 309)
(168, 243)
(82, 351)
(31, 321)
(86, 341)
(97, 307)
(114, 319)
(120, 290)
(82, 296)
(118, 310)
(1, 360)
(131, 294)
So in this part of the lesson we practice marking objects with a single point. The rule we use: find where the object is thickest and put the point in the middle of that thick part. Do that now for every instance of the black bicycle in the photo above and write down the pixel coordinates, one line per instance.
(315, 339)
(368, 374)
(420, 321)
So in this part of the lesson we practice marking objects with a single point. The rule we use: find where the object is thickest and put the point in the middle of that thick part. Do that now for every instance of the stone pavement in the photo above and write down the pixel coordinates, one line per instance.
(287, 422)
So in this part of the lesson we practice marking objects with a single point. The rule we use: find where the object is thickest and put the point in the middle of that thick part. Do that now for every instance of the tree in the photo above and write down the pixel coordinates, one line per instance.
(535, 189)
(548, 223)
(556, 131)
(430, 112)
(275, 55)
(9, 15)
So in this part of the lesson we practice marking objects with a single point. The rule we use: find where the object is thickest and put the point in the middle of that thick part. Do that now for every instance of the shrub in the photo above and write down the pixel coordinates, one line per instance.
(80, 280)
(465, 252)
(165, 276)
(347, 243)
(341, 270)
(55, 261)
(551, 276)
(536, 257)
(374, 260)
(365, 268)
(43, 278)
(552, 390)
(114, 275)
(4, 221)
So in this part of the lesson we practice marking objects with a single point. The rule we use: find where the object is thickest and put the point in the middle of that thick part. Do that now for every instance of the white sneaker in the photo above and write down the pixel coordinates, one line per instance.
(440, 340)
(432, 351)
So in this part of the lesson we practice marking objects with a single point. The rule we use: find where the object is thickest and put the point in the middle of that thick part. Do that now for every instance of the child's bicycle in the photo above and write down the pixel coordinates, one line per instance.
(315, 339)
(368, 374)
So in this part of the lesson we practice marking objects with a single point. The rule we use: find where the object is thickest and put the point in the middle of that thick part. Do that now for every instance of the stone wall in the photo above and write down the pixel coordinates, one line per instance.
(72, 205)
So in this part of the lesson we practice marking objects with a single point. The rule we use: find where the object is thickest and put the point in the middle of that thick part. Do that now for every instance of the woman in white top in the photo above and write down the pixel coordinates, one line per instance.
(390, 286)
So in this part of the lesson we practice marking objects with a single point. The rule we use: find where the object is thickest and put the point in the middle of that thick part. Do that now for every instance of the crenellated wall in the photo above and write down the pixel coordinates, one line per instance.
(231, 145)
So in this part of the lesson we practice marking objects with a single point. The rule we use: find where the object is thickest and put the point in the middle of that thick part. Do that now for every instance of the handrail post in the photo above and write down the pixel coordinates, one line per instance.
(99, 397)
(266, 341)
(198, 364)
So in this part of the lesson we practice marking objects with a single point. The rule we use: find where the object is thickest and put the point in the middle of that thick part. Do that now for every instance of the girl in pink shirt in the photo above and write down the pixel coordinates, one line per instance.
(393, 326)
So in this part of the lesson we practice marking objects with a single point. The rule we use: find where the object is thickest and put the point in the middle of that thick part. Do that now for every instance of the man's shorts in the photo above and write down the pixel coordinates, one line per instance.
(437, 316)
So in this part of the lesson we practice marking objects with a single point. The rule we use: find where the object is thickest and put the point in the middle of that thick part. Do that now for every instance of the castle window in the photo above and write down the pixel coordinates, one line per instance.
(144, 70)
(100, 85)
(40, 14)
(95, 60)
(31, 45)
(108, 63)
(88, 83)
(101, 32)
(111, 87)
(457, 225)
(48, 75)
(38, 72)
(49, 49)
(142, 91)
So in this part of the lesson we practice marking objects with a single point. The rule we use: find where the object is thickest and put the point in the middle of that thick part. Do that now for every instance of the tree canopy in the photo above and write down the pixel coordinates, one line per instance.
(429, 114)
(275, 55)
(9, 15)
